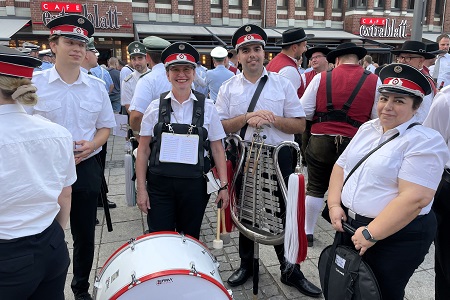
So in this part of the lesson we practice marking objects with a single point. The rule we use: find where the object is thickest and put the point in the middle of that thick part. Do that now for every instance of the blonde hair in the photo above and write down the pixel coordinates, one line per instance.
(9, 85)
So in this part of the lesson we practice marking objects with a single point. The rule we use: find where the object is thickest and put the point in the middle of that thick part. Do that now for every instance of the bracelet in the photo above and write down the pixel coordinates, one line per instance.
(224, 187)
(335, 205)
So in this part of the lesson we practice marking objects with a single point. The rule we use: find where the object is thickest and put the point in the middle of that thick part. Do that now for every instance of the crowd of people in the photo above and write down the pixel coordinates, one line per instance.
(60, 105)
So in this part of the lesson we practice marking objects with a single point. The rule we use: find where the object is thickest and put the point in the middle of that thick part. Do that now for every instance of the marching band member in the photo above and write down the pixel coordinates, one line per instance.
(388, 198)
(172, 190)
(278, 109)
(78, 102)
(36, 173)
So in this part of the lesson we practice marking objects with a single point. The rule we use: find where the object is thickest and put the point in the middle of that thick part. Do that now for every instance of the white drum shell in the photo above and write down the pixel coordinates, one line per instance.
(164, 266)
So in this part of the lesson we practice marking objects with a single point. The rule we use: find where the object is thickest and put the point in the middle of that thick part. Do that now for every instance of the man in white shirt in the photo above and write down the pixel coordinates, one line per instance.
(79, 103)
(441, 70)
(368, 64)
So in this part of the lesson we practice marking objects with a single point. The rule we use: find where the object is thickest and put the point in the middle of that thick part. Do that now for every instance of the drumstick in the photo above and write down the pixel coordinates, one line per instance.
(224, 236)
(218, 243)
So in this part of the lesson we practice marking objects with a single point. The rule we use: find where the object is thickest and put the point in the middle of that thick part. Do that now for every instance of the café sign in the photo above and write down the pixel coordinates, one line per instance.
(106, 20)
(382, 28)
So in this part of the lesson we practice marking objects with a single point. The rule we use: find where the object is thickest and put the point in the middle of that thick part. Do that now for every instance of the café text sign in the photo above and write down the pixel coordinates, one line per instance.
(108, 19)
(382, 28)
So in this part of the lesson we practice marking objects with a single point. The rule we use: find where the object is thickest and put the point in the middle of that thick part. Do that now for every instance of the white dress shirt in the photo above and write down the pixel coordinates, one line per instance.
(417, 155)
(36, 164)
(292, 74)
(439, 116)
(444, 70)
(81, 107)
(149, 88)
(182, 114)
(278, 96)
(128, 86)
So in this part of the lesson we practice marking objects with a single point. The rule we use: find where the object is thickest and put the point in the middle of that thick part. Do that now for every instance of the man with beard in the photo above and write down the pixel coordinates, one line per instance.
(137, 53)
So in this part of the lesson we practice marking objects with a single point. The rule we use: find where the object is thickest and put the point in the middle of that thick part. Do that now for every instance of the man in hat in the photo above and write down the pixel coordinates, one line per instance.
(335, 119)
(441, 70)
(46, 57)
(438, 119)
(34, 49)
(414, 53)
(232, 62)
(97, 70)
(137, 53)
(215, 77)
(151, 84)
(279, 112)
(292, 48)
(78, 102)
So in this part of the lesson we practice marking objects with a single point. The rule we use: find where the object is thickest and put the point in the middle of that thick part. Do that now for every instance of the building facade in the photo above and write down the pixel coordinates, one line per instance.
(379, 25)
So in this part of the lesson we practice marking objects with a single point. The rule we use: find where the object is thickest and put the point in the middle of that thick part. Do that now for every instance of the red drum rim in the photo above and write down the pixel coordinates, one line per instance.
(172, 272)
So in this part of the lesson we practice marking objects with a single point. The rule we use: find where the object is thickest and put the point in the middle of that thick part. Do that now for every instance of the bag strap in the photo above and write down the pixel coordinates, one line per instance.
(375, 149)
(252, 105)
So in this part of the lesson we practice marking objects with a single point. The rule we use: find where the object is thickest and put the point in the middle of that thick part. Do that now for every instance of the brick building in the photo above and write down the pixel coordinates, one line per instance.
(379, 25)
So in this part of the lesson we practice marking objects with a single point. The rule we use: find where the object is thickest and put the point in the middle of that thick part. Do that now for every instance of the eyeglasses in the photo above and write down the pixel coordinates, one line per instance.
(407, 59)
(317, 57)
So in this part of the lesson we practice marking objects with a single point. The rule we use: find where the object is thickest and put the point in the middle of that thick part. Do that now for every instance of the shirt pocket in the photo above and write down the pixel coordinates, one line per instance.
(89, 112)
(274, 102)
(385, 167)
(49, 109)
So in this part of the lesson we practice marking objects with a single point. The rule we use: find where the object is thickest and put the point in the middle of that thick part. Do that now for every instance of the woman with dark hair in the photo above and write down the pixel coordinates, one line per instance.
(388, 197)
(36, 173)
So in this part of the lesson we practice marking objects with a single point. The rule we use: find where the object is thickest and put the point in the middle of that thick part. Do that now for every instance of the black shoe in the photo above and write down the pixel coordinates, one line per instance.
(97, 222)
(83, 296)
(239, 276)
(310, 239)
(296, 279)
(110, 204)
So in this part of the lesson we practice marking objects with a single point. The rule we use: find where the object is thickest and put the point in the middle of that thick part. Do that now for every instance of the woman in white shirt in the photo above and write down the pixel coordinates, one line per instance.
(389, 196)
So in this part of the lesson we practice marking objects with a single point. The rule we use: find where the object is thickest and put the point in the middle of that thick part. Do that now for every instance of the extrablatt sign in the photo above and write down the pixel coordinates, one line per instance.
(59, 6)
(373, 21)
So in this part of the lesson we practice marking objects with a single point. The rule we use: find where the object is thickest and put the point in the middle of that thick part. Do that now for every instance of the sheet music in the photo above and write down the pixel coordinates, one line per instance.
(179, 148)
(121, 127)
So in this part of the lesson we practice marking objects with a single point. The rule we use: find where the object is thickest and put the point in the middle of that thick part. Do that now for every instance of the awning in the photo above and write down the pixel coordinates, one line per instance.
(430, 36)
(328, 34)
(229, 31)
(164, 30)
(10, 26)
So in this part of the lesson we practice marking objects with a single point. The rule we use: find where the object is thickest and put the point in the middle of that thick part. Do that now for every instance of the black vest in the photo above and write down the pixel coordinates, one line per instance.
(179, 170)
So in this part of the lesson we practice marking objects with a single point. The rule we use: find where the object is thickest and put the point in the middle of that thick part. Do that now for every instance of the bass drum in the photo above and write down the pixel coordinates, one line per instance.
(163, 265)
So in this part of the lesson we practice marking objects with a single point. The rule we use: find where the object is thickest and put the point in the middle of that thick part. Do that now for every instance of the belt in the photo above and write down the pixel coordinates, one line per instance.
(37, 235)
(10, 241)
(352, 215)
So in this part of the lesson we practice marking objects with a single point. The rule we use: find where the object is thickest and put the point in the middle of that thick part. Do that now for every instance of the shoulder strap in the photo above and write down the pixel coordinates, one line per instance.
(198, 111)
(330, 106)
(349, 102)
(252, 105)
(164, 108)
(373, 150)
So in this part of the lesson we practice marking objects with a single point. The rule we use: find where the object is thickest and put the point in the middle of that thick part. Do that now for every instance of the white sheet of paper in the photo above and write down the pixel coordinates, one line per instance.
(121, 127)
(179, 148)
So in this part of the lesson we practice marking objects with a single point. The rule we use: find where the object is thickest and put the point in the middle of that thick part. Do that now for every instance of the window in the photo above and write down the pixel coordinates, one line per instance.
(282, 3)
(254, 3)
(299, 3)
(438, 9)
(337, 4)
(378, 4)
(216, 2)
(396, 4)
(357, 3)
(234, 3)
(319, 4)
(410, 4)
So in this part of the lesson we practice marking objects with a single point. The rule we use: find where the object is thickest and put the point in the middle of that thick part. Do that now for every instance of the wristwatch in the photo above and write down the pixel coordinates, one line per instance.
(368, 236)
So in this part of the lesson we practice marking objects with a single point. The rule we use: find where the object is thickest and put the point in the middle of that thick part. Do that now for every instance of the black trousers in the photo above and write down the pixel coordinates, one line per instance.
(441, 208)
(102, 156)
(394, 259)
(176, 204)
(34, 267)
(246, 245)
(83, 213)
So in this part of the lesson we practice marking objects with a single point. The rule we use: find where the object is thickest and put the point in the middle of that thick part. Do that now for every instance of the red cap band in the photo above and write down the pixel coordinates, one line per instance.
(180, 57)
(66, 29)
(16, 70)
(249, 38)
(403, 83)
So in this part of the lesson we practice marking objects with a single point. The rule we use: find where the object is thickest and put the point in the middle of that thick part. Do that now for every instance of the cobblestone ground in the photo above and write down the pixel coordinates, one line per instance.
(129, 222)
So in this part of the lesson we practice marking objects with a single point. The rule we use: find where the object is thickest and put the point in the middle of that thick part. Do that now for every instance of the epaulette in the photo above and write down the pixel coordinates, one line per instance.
(145, 74)
(128, 77)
